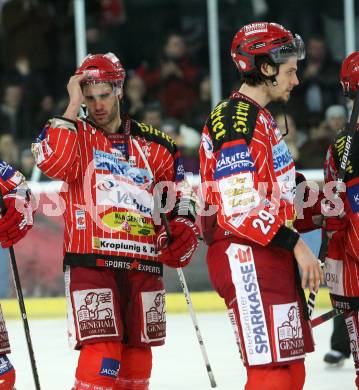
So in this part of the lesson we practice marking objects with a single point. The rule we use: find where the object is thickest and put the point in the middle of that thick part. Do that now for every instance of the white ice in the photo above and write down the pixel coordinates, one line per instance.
(177, 366)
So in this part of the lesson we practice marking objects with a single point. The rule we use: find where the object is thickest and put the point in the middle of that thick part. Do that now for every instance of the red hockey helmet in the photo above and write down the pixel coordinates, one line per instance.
(103, 68)
(349, 74)
(264, 38)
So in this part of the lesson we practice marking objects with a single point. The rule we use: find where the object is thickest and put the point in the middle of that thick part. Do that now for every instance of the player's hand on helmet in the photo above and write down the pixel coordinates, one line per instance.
(76, 97)
(312, 273)
(178, 251)
(74, 89)
(18, 217)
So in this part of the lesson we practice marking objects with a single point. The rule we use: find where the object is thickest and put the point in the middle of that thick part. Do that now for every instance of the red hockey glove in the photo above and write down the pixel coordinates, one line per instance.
(335, 226)
(178, 252)
(18, 218)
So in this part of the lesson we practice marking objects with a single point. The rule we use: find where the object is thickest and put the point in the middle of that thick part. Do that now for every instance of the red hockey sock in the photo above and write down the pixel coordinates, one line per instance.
(98, 365)
(289, 377)
(7, 374)
(135, 371)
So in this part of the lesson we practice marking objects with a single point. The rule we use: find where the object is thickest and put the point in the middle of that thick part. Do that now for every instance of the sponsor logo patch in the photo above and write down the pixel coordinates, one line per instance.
(5, 365)
(353, 337)
(255, 28)
(240, 117)
(180, 172)
(234, 159)
(232, 319)
(36, 149)
(281, 156)
(80, 219)
(216, 121)
(109, 367)
(250, 306)
(286, 182)
(6, 171)
(111, 163)
(288, 333)
(127, 246)
(154, 316)
(333, 271)
(130, 223)
(95, 313)
(207, 145)
(353, 196)
(238, 193)
(112, 191)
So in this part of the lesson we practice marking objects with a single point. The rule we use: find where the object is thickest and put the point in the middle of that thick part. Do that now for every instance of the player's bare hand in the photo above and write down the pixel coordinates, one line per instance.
(75, 95)
(74, 89)
(312, 273)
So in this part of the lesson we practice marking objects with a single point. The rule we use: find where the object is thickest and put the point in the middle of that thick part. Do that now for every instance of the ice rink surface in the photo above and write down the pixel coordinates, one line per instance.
(177, 366)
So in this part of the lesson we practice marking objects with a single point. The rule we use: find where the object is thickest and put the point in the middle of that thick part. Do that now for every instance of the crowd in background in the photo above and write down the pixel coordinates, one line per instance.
(163, 46)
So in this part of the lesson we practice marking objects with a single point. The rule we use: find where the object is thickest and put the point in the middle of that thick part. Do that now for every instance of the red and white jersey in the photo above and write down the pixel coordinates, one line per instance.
(247, 170)
(10, 178)
(108, 187)
(342, 263)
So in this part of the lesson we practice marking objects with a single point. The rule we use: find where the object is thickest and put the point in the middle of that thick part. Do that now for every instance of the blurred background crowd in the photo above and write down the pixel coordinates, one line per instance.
(163, 45)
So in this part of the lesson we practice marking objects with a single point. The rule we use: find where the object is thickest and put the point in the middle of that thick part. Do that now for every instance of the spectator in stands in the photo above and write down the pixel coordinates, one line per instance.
(13, 115)
(153, 115)
(46, 111)
(335, 119)
(135, 93)
(332, 19)
(32, 83)
(318, 88)
(198, 114)
(174, 81)
(96, 38)
(26, 26)
(187, 139)
(313, 151)
(9, 151)
(27, 163)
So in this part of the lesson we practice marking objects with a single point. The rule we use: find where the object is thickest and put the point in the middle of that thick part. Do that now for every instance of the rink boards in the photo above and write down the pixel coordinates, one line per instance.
(202, 302)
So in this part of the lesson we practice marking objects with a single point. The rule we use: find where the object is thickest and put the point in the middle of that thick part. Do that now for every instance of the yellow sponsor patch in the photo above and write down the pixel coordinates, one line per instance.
(131, 223)
(96, 243)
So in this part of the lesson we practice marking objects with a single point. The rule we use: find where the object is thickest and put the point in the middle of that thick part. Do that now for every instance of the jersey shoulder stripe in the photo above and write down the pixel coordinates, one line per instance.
(231, 120)
(152, 134)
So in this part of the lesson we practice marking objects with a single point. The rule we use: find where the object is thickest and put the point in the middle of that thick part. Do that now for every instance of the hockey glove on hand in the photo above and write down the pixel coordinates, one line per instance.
(18, 218)
(335, 226)
(177, 251)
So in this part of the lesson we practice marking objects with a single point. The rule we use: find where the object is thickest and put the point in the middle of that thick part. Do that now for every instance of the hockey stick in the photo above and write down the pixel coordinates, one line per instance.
(340, 179)
(182, 279)
(190, 308)
(20, 298)
(325, 317)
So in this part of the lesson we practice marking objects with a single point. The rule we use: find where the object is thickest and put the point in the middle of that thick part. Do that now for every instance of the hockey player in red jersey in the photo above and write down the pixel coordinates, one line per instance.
(113, 258)
(14, 224)
(342, 262)
(248, 175)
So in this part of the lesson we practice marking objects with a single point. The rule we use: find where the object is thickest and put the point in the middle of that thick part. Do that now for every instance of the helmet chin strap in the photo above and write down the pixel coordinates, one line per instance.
(285, 120)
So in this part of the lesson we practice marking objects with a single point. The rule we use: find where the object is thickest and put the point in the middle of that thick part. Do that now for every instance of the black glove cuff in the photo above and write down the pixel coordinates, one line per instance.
(285, 238)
